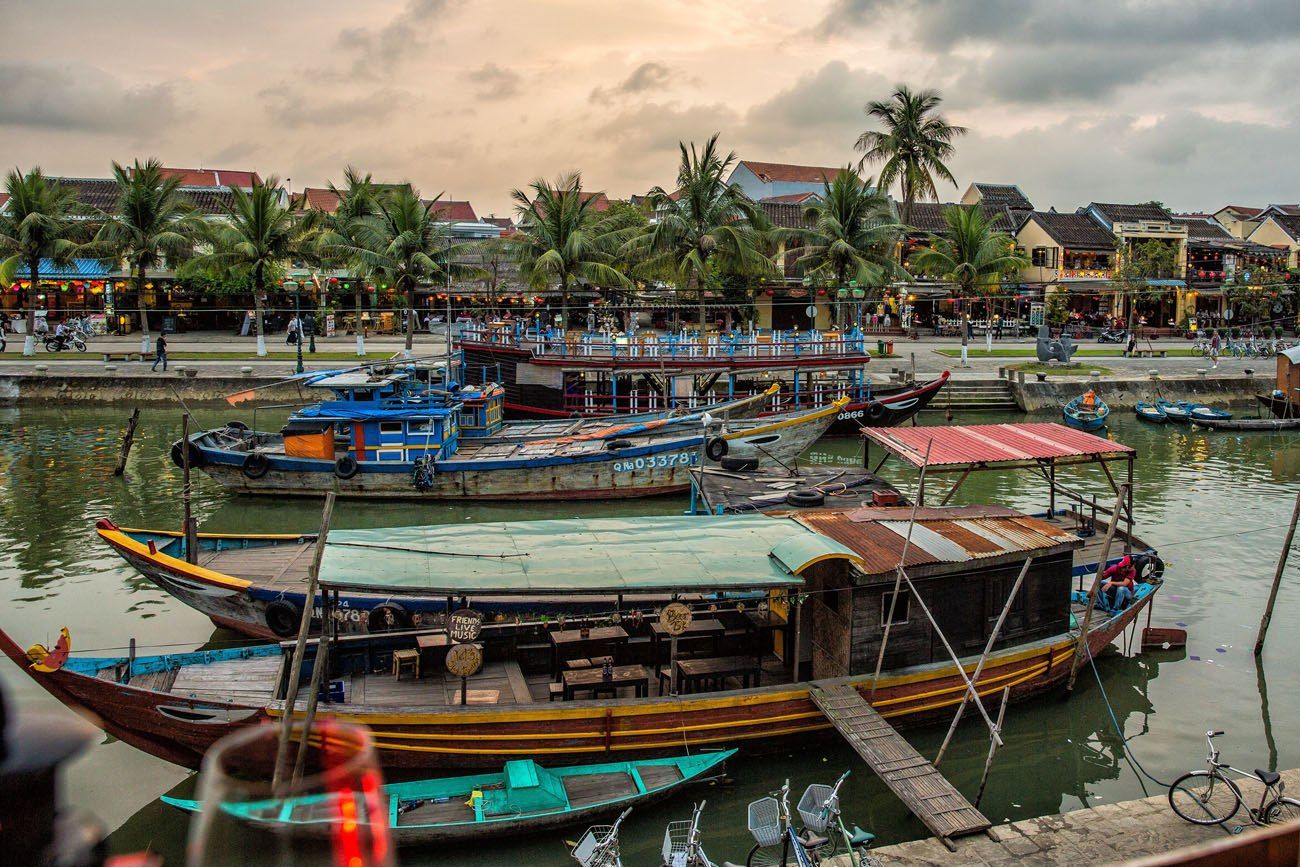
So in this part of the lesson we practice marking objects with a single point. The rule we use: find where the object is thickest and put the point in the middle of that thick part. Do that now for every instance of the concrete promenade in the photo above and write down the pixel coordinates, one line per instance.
(1107, 834)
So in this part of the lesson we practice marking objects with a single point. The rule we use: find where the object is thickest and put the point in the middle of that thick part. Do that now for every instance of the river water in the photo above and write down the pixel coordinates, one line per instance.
(1214, 504)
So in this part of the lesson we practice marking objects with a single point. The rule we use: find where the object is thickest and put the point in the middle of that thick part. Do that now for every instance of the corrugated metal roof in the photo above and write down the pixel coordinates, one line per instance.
(992, 443)
(937, 538)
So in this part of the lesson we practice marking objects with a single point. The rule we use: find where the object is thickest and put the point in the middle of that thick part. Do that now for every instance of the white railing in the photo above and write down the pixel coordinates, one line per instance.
(672, 345)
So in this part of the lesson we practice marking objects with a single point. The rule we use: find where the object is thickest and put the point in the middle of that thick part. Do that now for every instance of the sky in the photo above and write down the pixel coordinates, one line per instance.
(1192, 103)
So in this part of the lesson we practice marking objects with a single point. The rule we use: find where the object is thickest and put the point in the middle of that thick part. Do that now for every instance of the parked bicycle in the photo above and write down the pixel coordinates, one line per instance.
(598, 847)
(682, 847)
(1210, 797)
(777, 843)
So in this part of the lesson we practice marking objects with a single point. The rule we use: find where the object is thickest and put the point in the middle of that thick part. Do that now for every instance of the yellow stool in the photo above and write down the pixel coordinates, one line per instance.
(406, 659)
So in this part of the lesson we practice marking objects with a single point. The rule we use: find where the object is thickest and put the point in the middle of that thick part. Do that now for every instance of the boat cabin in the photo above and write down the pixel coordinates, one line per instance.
(1288, 375)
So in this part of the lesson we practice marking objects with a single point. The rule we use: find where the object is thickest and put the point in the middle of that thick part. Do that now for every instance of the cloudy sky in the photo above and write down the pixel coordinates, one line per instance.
(1192, 102)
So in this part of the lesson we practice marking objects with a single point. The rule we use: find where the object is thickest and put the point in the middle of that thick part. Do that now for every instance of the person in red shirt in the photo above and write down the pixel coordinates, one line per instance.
(1119, 583)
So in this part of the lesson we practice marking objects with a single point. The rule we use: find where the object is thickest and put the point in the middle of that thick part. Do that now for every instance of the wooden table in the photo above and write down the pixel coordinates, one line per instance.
(594, 680)
(570, 644)
(692, 673)
(698, 629)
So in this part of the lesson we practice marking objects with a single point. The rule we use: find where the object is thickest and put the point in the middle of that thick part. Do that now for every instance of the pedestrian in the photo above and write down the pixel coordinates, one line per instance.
(291, 333)
(988, 339)
(1132, 344)
(159, 353)
(1214, 348)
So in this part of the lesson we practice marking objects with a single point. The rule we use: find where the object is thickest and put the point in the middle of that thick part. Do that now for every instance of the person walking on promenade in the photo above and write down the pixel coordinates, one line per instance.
(160, 353)
(291, 333)
(1214, 348)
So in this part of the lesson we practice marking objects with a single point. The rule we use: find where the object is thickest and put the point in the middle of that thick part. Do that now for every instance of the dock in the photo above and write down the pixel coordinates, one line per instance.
(908, 774)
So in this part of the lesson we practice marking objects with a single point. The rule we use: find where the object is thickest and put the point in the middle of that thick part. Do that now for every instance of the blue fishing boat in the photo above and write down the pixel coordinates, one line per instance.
(1150, 412)
(1201, 412)
(1086, 412)
(1174, 412)
(525, 798)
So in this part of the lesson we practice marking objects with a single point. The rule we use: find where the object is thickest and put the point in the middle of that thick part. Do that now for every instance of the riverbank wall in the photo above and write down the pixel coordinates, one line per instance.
(1125, 392)
(139, 389)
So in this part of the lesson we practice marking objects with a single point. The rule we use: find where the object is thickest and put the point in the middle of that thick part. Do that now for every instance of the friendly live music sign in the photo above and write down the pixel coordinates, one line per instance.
(464, 625)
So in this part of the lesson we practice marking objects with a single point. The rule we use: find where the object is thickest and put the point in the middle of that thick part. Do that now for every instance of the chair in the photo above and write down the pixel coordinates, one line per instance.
(404, 660)
(556, 691)
(575, 664)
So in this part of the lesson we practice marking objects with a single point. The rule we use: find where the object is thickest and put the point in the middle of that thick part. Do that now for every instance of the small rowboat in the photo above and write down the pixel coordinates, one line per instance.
(1174, 412)
(524, 798)
(1200, 412)
(1250, 424)
(1150, 412)
(1079, 416)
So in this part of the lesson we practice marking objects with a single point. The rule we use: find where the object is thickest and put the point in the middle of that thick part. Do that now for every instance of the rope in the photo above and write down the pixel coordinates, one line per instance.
(1129, 755)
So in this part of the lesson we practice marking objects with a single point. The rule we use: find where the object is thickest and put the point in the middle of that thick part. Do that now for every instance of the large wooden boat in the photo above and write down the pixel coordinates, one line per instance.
(524, 798)
(554, 375)
(963, 561)
(1284, 400)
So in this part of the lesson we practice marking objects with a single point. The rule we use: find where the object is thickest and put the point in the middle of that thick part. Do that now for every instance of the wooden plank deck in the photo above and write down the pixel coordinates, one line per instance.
(272, 565)
(247, 681)
(916, 782)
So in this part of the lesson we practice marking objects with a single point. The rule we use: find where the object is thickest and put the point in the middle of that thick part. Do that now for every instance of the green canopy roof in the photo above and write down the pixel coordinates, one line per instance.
(580, 555)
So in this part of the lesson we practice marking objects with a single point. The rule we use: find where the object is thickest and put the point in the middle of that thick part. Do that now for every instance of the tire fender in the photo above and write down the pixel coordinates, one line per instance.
(804, 497)
(740, 465)
(377, 619)
(283, 618)
(180, 447)
(876, 410)
(256, 465)
(346, 467)
(715, 448)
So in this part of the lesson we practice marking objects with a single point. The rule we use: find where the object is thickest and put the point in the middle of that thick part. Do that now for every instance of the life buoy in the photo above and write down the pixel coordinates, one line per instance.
(876, 410)
(256, 465)
(804, 497)
(346, 467)
(739, 464)
(615, 445)
(236, 425)
(283, 618)
(715, 448)
(378, 621)
(178, 454)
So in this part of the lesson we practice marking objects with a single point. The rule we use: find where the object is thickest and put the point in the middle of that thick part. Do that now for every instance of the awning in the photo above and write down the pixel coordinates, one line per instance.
(991, 444)
(688, 554)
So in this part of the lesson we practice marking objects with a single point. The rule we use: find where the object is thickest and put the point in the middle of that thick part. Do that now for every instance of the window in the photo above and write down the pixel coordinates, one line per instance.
(1043, 257)
(998, 590)
(902, 608)
(390, 427)
(421, 426)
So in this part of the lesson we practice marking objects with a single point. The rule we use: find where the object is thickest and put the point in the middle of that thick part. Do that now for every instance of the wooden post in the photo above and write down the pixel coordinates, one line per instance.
(672, 665)
(187, 519)
(304, 627)
(1277, 578)
(313, 695)
(130, 660)
(993, 745)
(1081, 648)
(127, 441)
(797, 610)
(979, 668)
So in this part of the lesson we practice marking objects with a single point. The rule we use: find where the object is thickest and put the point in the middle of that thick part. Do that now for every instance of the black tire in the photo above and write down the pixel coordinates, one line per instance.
(805, 497)
(876, 410)
(80, 344)
(739, 464)
(256, 465)
(1203, 798)
(376, 620)
(283, 618)
(616, 445)
(715, 448)
(1282, 810)
(178, 454)
(236, 425)
(346, 467)
(1156, 566)
(51, 345)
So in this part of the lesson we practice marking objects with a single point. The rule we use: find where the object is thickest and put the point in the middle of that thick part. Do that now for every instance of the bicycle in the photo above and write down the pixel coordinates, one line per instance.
(820, 810)
(1209, 797)
(682, 846)
(775, 840)
(598, 847)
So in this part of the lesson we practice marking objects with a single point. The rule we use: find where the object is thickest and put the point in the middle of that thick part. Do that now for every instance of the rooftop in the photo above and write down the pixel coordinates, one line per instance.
(928, 217)
(783, 215)
(989, 444)
(213, 177)
(321, 199)
(1119, 213)
(452, 211)
(1204, 229)
(1288, 223)
(1008, 195)
(1241, 212)
(790, 173)
(101, 194)
(791, 198)
(1074, 231)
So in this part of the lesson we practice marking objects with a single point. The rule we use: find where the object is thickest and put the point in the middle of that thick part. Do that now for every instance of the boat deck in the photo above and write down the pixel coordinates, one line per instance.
(277, 567)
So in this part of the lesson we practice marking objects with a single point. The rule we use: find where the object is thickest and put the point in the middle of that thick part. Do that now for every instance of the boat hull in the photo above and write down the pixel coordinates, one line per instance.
(416, 739)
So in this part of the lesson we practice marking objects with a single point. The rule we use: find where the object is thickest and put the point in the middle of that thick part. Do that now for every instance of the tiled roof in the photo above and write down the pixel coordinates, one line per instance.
(791, 198)
(1241, 211)
(452, 211)
(503, 222)
(1288, 210)
(928, 217)
(212, 177)
(4, 197)
(1004, 194)
(783, 215)
(1119, 213)
(321, 199)
(599, 201)
(210, 200)
(1289, 223)
(100, 193)
(791, 173)
(1074, 231)
(1200, 228)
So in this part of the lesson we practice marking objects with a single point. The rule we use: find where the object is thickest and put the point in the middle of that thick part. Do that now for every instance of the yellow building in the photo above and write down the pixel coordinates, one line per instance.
(1071, 254)
(1280, 231)
(1239, 220)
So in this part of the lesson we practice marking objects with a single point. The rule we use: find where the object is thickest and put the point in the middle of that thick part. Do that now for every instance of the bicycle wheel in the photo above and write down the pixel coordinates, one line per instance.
(765, 856)
(1282, 810)
(1204, 798)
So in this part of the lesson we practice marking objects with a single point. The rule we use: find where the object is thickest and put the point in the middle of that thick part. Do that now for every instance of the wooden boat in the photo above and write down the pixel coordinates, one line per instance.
(550, 375)
(524, 798)
(1081, 416)
(1150, 412)
(1282, 402)
(177, 705)
(1249, 424)
(1199, 412)
(359, 452)
(1174, 412)
(1277, 404)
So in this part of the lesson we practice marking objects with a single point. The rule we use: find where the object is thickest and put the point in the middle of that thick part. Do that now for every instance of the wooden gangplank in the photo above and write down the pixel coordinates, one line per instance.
(916, 782)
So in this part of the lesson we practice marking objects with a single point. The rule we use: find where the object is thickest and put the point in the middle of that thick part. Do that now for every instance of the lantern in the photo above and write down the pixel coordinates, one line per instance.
(769, 292)
(334, 280)
(1200, 273)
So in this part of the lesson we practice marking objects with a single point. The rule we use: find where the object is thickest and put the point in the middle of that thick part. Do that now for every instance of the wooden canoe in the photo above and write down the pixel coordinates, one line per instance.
(1248, 424)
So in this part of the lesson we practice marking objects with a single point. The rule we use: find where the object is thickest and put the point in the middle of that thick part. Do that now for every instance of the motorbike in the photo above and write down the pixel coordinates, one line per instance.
(71, 341)
(1112, 335)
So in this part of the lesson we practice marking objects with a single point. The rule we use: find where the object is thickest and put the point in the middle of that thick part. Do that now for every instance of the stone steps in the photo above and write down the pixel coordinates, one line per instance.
(978, 395)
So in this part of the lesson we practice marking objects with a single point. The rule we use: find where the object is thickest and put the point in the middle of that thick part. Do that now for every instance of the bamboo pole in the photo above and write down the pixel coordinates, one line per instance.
(979, 668)
(313, 695)
(988, 762)
(187, 518)
(1081, 647)
(127, 442)
(304, 626)
(1277, 578)
(898, 573)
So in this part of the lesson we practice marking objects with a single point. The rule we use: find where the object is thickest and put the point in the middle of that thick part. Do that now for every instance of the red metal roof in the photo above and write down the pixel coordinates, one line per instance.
(452, 211)
(992, 443)
(321, 199)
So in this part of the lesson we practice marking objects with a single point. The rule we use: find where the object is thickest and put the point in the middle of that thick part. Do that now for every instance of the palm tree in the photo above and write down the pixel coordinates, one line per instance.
(706, 225)
(406, 243)
(259, 236)
(912, 147)
(850, 234)
(42, 221)
(559, 238)
(358, 199)
(152, 223)
(971, 254)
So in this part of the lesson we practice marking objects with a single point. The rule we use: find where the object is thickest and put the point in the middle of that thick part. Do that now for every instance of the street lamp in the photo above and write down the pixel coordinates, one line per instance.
(294, 287)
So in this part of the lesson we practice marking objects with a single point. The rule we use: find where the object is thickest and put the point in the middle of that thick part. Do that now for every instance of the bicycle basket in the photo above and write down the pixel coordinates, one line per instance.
(810, 807)
(677, 844)
(765, 821)
(595, 849)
